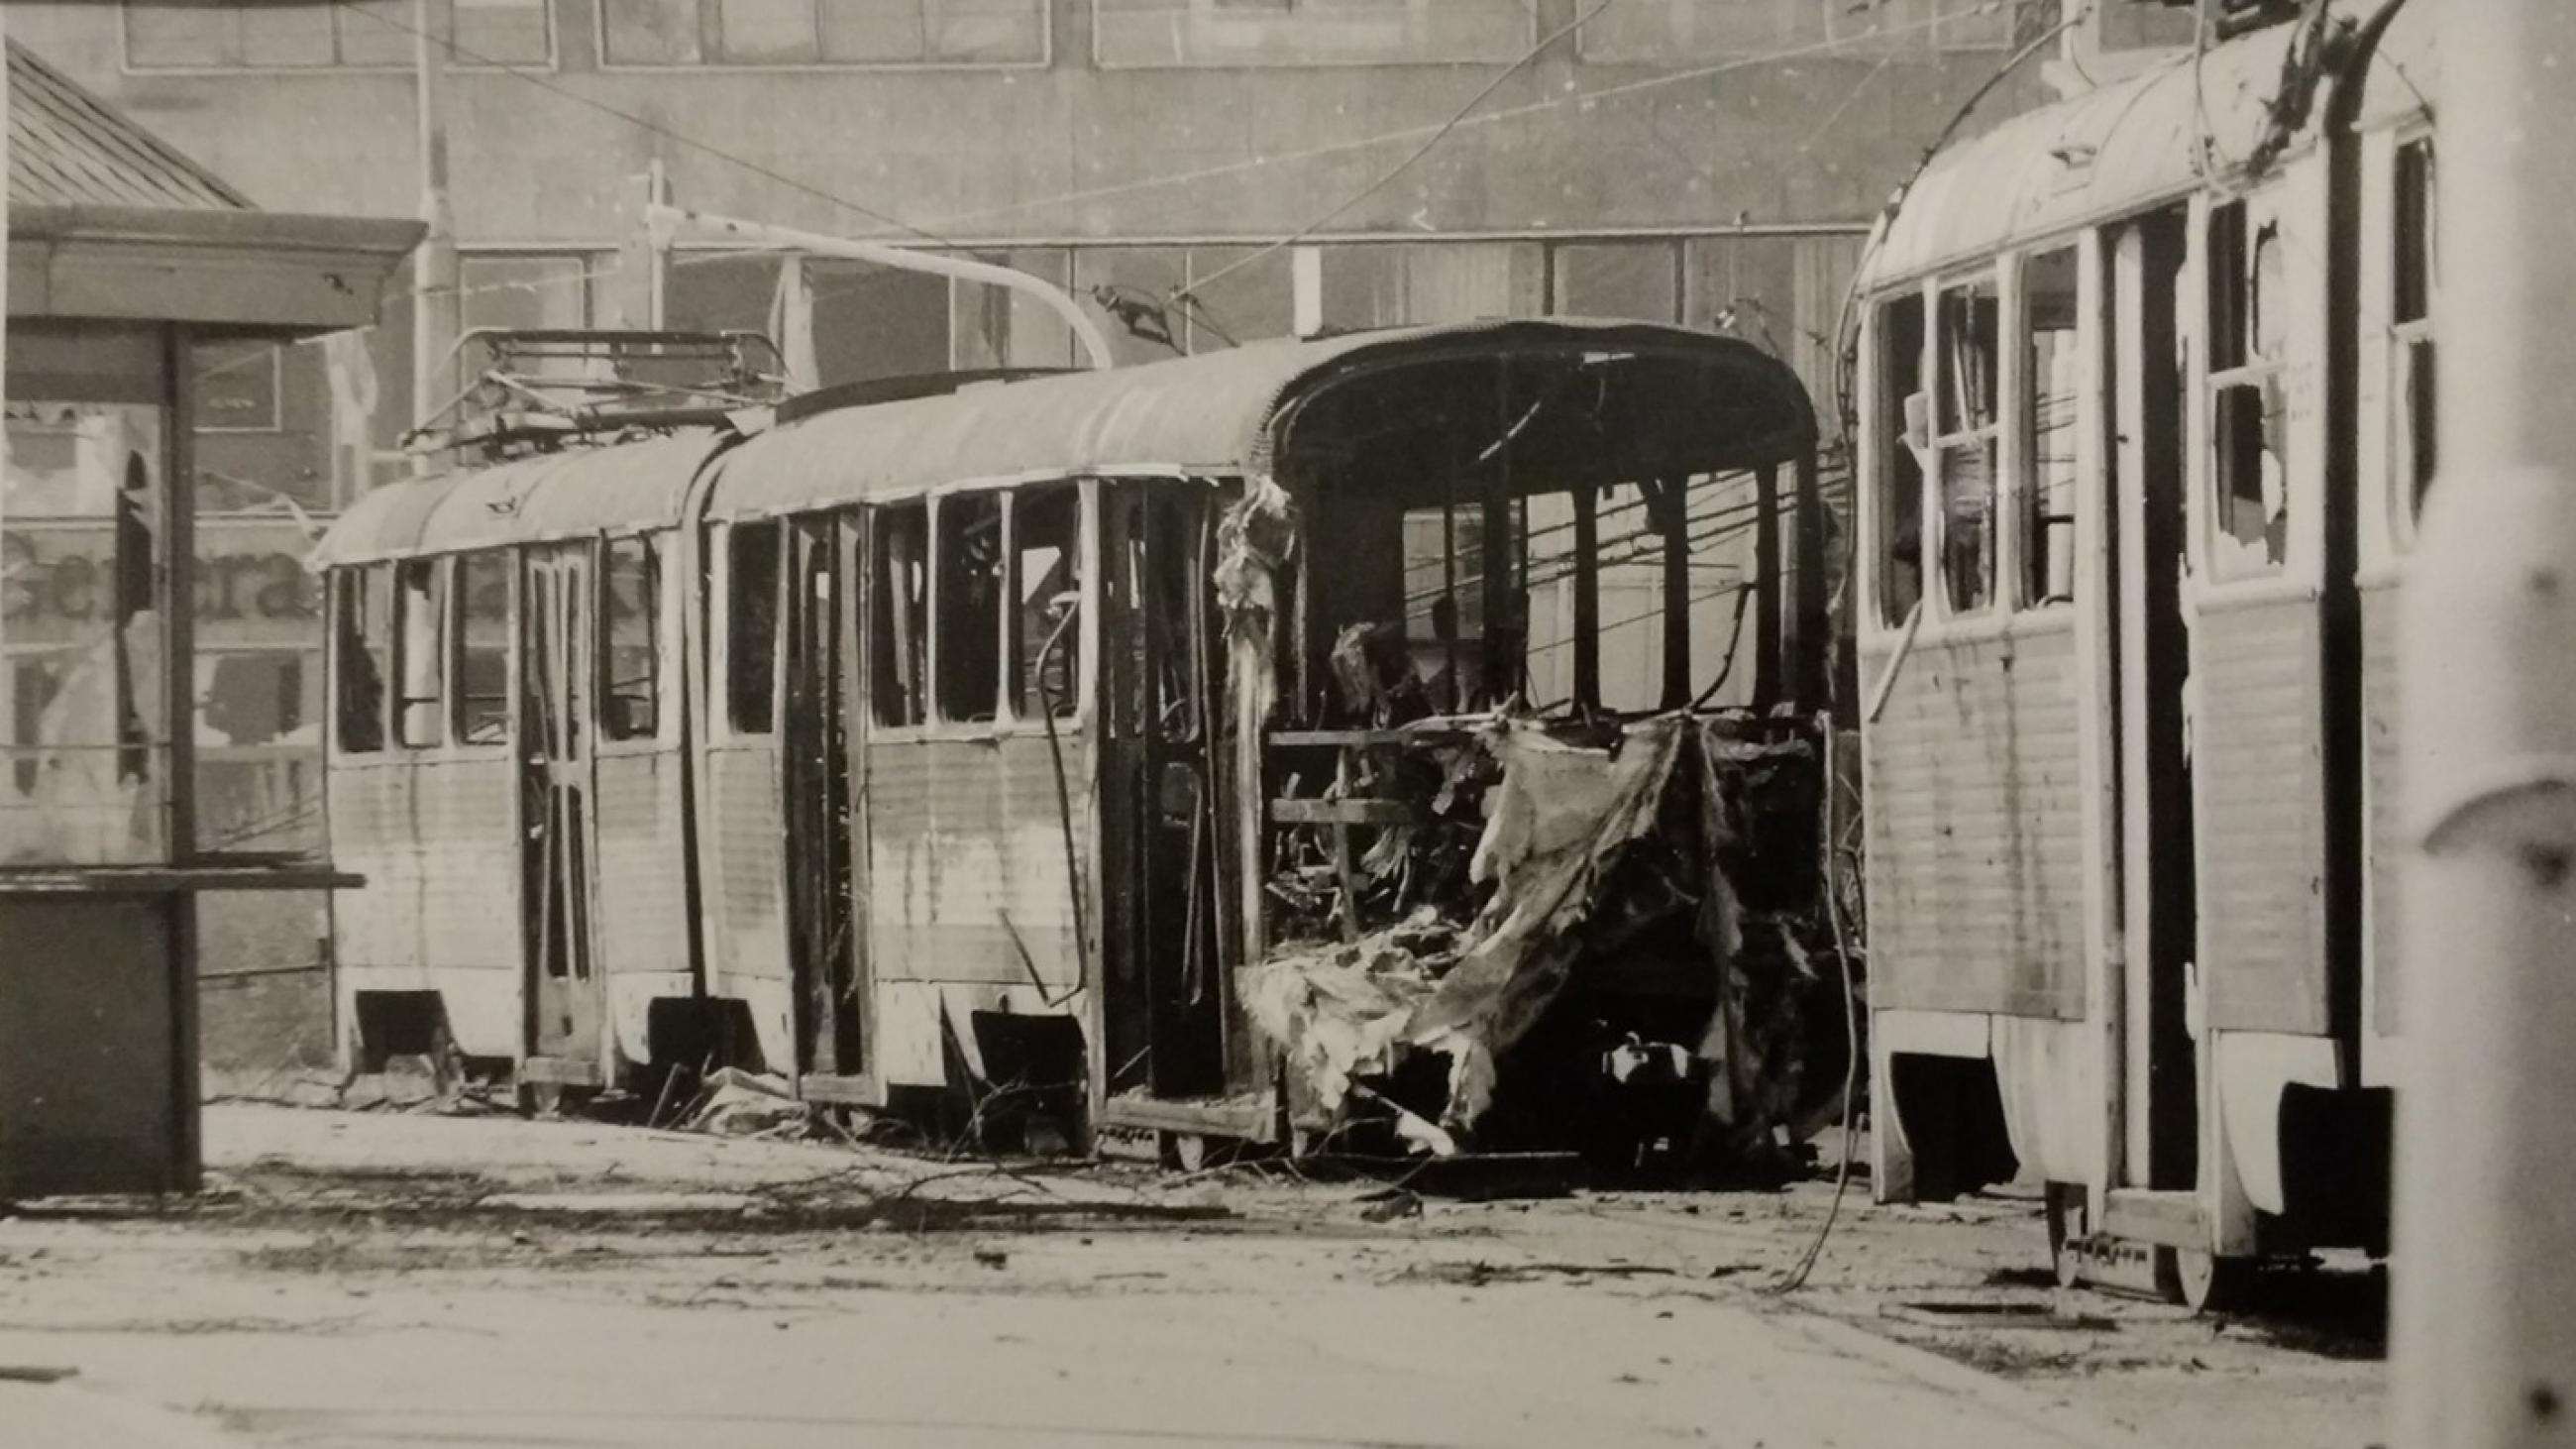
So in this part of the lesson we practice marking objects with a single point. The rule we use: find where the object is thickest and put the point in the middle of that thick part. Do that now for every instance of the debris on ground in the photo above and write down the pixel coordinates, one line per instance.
(732, 1102)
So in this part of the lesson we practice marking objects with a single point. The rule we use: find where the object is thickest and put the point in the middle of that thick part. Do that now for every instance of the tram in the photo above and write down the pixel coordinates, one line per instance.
(893, 739)
(2146, 414)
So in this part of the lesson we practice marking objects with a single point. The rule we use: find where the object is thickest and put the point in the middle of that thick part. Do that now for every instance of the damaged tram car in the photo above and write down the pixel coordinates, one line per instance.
(2146, 419)
(1326, 741)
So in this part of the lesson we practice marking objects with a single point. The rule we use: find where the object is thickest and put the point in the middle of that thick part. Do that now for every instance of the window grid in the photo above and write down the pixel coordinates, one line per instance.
(214, 35)
(833, 34)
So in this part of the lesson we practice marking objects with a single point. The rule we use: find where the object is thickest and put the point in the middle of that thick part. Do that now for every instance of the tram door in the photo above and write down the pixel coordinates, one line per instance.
(1166, 988)
(2152, 654)
(565, 995)
(818, 745)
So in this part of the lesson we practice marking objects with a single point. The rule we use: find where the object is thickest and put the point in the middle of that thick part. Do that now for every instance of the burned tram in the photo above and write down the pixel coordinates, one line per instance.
(1313, 737)
(2147, 416)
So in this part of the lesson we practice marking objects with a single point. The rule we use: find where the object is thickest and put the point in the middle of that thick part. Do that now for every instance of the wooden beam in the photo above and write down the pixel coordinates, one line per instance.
(1766, 588)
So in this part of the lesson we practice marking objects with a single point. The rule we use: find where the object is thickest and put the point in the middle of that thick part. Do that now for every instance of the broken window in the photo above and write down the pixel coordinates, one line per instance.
(898, 618)
(966, 617)
(2054, 387)
(420, 606)
(1046, 562)
(482, 606)
(751, 626)
(1905, 425)
(1161, 570)
(365, 650)
(632, 705)
(2249, 477)
(1970, 318)
(2413, 455)
(1444, 601)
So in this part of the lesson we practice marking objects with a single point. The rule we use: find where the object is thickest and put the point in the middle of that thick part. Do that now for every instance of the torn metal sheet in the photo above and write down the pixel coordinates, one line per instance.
(1681, 856)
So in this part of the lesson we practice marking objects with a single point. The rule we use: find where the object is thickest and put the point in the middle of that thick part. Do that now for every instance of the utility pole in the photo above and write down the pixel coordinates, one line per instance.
(2484, 1306)
(437, 309)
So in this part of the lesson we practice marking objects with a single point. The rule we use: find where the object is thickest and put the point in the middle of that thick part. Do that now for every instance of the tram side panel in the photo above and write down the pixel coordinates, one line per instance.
(429, 949)
(1976, 891)
(971, 910)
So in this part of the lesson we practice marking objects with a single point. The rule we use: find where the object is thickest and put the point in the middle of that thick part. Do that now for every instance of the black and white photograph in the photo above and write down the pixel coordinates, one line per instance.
(1288, 724)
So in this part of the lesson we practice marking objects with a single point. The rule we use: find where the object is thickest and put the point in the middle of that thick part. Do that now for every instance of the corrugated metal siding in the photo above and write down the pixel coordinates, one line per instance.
(2385, 840)
(746, 905)
(961, 835)
(434, 843)
(644, 904)
(69, 148)
(2259, 813)
(1976, 878)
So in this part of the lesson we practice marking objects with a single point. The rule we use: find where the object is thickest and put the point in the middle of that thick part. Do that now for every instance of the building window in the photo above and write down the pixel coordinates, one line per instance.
(1046, 580)
(898, 619)
(1309, 32)
(1636, 280)
(1965, 438)
(823, 32)
(420, 627)
(482, 604)
(1659, 32)
(237, 386)
(633, 653)
(2249, 475)
(2052, 388)
(1904, 429)
(2412, 400)
(966, 614)
(226, 35)
(751, 626)
(364, 655)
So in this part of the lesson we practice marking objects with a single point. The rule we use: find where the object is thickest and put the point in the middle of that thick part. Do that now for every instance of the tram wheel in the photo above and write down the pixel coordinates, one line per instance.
(1183, 1151)
(2069, 1222)
(2203, 1281)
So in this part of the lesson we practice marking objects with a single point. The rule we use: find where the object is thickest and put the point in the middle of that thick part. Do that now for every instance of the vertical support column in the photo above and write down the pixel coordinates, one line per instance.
(1672, 520)
(1587, 595)
(1766, 588)
(1496, 555)
(176, 598)
(437, 309)
(1811, 650)
(2483, 1318)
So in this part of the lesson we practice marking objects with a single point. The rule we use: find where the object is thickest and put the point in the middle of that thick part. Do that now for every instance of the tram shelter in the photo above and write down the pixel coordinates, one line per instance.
(122, 257)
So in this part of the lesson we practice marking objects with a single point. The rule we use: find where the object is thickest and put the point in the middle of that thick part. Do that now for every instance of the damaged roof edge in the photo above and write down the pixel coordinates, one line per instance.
(1218, 412)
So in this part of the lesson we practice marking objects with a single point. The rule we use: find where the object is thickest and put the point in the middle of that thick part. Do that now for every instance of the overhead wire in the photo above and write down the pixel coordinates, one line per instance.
(1386, 178)
(1799, 1271)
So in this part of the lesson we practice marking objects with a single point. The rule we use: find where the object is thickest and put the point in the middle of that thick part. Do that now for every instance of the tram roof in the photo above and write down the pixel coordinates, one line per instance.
(1693, 402)
(579, 493)
(2129, 146)
(1712, 403)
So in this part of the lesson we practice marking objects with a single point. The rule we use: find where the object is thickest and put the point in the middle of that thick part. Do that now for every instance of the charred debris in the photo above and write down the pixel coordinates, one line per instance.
(1500, 911)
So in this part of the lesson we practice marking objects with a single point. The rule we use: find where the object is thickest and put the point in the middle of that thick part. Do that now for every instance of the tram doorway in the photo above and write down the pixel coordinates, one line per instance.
(565, 993)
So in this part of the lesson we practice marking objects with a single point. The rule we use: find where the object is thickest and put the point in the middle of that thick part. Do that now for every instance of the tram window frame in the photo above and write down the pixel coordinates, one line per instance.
(2248, 417)
(617, 722)
(420, 639)
(481, 720)
(751, 661)
(1031, 619)
(2044, 541)
(966, 676)
(898, 639)
(1904, 411)
(1967, 422)
(2414, 443)
(362, 610)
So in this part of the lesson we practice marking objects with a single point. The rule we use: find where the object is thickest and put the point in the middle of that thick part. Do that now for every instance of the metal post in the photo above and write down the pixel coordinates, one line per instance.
(2484, 1312)
(437, 309)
